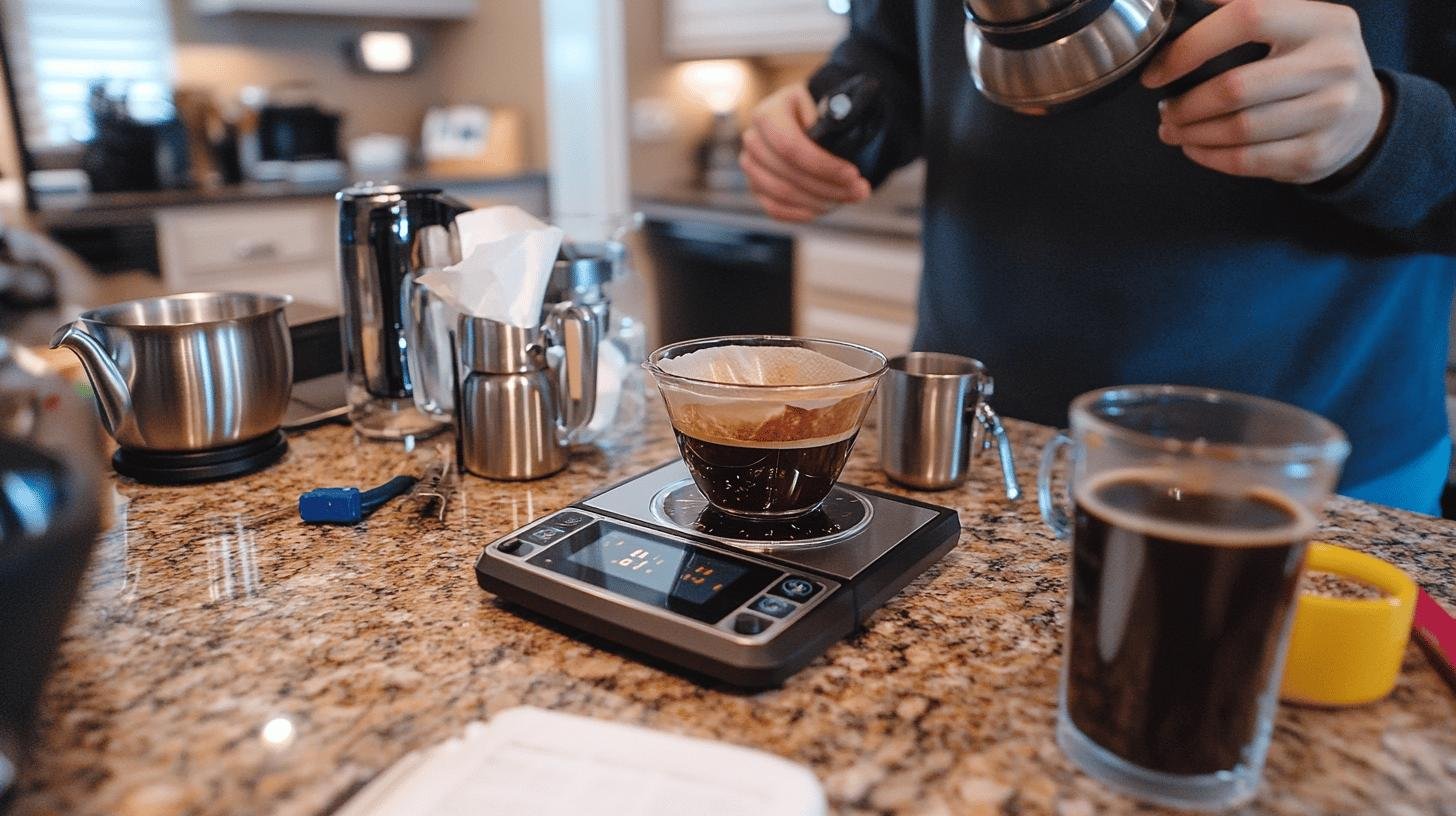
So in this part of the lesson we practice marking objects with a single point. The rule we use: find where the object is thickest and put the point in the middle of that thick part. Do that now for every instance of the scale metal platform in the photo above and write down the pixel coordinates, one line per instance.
(647, 564)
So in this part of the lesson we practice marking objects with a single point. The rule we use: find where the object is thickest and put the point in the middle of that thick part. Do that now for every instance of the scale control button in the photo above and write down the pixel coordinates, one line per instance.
(778, 607)
(570, 519)
(795, 588)
(515, 546)
(545, 534)
(746, 624)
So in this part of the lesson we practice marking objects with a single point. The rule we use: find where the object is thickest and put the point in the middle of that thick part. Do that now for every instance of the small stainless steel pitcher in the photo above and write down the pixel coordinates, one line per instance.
(934, 418)
(521, 393)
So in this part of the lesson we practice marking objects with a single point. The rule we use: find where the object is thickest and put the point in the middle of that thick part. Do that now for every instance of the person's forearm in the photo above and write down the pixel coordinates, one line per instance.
(1406, 186)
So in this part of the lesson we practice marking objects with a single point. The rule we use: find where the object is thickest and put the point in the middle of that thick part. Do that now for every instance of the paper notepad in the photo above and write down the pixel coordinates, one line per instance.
(531, 761)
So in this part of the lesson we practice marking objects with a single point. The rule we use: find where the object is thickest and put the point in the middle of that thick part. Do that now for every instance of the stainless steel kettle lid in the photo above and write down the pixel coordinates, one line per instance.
(1064, 50)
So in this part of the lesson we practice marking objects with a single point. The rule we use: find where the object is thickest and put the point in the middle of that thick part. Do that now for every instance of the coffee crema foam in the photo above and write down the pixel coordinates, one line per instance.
(759, 425)
(1300, 528)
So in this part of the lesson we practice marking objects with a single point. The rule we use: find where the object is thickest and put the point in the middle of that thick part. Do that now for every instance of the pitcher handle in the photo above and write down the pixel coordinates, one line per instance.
(576, 377)
(1053, 513)
(986, 415)
(423, 353)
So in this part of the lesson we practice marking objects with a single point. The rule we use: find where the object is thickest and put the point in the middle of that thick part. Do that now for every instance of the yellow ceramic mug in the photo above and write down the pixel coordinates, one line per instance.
(1347, 651)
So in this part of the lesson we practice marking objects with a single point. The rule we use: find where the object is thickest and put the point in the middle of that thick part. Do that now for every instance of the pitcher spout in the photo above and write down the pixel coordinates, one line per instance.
(112, 395)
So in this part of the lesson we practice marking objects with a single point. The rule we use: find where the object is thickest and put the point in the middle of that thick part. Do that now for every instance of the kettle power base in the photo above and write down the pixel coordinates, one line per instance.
(195, 467)
(613, 565)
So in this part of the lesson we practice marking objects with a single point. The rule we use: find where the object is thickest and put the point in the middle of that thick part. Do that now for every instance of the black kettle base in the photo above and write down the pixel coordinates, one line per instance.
(193, 467)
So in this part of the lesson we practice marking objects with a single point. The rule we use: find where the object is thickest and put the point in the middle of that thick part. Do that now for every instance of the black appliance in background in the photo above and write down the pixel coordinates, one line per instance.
(297, 133)
(49, 519)
(125, 154)
(51, 509)
(714, 279)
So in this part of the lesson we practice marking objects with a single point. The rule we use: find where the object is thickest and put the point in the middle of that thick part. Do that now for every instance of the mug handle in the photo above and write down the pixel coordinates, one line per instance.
(422, 324)
(578, 364)
(1053, 514)
(986, 415)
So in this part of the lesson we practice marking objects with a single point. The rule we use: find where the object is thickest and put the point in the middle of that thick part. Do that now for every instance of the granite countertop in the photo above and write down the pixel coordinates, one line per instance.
(196, 627)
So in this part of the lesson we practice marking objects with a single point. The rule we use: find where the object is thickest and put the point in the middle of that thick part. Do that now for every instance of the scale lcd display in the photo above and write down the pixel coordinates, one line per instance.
(673, 575)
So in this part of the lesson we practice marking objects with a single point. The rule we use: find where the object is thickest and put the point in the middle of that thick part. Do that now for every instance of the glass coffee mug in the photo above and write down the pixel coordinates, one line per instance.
(1191, 512)
(765, 423)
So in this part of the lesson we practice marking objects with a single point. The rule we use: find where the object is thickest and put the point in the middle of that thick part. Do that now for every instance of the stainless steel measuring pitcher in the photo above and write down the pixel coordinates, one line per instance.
(520, 393)
(934, 418)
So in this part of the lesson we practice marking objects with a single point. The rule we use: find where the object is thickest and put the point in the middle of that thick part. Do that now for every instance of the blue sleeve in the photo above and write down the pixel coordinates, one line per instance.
(1407, 189)
(881, 43)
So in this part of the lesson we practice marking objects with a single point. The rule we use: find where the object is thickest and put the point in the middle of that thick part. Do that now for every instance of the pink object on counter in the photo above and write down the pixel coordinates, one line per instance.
(1436, 630)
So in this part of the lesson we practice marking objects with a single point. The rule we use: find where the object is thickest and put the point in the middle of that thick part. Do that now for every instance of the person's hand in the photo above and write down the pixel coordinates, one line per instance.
(1307, 111)
(793, 178)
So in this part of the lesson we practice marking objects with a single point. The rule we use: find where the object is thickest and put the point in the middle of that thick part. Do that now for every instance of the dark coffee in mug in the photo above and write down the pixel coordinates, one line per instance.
(765, 478)
(1180, 601)
(768, 460)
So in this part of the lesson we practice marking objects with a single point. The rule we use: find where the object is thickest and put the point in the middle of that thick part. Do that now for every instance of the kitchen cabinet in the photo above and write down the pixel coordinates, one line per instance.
(427, 9)
(282, 247)
(694, 29)
(859, 289)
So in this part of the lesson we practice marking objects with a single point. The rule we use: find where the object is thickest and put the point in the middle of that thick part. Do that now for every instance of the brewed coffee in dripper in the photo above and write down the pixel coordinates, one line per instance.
(765, 424)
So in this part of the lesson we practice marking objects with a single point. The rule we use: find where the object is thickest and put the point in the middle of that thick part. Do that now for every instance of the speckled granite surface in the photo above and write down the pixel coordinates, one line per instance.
(197, 627)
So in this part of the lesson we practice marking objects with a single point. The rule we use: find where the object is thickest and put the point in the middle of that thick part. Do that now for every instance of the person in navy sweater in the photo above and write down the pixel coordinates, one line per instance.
(1287, 228)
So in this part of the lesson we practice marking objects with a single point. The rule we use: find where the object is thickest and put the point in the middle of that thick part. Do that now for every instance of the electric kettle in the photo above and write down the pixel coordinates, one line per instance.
(1041, 56)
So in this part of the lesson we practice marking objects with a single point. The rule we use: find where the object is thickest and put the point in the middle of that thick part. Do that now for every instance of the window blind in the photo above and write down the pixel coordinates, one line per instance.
(58, 48)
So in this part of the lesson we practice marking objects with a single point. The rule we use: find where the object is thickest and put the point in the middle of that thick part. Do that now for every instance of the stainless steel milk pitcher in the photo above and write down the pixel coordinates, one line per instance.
(521, 393)
(934, 419)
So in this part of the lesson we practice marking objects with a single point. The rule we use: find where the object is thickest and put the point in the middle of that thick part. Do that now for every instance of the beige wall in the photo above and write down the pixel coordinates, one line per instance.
(670, 162)
(223, 54)
(495, 59)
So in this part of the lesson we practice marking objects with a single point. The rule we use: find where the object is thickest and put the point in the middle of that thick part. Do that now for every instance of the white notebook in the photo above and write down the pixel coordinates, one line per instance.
(537, 762)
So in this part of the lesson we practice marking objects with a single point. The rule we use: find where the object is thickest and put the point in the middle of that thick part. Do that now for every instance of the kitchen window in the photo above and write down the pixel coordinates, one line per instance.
(58, 48)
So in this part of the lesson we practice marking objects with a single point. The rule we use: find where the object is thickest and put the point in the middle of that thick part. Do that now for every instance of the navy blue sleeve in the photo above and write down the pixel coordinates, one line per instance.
(1407, 189)
(881, 43)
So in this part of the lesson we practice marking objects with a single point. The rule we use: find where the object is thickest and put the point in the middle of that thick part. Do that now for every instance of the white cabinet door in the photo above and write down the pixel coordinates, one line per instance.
(277, 247)
(857, 288)
(432, 9)
(745, 28)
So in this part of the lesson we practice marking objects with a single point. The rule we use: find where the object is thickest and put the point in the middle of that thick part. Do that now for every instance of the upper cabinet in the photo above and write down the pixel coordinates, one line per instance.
(696, 29)
(431, 9)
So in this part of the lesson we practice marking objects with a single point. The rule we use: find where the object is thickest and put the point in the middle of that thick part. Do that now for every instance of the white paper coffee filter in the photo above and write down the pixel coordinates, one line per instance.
(507, 261)
(766, 365)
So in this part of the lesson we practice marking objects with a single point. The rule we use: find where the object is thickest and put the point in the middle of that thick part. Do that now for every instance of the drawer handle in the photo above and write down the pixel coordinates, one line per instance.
(252, 250)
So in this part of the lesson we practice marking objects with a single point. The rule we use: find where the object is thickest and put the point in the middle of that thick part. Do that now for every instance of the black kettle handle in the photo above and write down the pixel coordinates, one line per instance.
(1185, 15)
(850, 116)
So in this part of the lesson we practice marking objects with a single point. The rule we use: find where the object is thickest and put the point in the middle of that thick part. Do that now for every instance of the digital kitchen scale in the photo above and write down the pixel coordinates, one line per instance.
(649, 565)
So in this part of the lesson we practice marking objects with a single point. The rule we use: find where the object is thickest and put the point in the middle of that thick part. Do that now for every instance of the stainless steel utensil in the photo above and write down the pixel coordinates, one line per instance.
(431, 494)
(523, 393)
(385, 240)
(579, 277)
(1037, 56)
(934, 418)
(189, 372)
